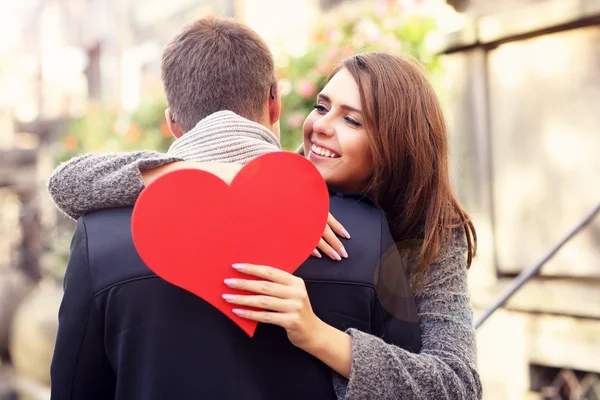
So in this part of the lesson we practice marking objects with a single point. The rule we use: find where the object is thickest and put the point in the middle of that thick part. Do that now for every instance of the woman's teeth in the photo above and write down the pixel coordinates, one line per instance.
(323, 152)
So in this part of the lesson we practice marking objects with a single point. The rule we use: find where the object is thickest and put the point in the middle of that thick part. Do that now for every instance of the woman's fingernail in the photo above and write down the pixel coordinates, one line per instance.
(239, 267)
(230, 282)
(345, 233)
(336, 255)
(228, 296)
(343, 252)
(316, 253)
(237, 311)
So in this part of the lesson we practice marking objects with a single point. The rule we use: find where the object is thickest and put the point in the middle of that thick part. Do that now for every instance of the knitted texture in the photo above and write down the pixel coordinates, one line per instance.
(212, 140)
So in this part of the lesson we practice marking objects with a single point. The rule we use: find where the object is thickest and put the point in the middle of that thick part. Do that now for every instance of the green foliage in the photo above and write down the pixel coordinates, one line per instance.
(384, 26)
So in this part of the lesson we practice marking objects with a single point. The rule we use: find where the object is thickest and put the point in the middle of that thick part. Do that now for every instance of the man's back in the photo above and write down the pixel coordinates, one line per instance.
(143, 338)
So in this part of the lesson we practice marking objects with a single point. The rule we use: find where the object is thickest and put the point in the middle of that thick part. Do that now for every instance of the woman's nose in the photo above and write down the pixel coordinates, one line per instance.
(323, 127)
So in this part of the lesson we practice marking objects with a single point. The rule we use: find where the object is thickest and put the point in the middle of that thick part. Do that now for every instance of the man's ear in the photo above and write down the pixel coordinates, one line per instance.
(274, 104)
(173, 126)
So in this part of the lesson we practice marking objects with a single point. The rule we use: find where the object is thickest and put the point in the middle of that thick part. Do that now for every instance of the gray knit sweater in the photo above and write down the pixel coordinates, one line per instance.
(445, 368)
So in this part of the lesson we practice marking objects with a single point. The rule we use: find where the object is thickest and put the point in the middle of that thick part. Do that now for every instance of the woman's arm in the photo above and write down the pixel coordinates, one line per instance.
(101, 180)
(446, 367)
(370, 368)
(105, 180)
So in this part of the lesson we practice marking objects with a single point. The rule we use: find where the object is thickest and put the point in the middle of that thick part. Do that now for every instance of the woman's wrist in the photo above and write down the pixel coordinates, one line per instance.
(333, 347)
(318, 339)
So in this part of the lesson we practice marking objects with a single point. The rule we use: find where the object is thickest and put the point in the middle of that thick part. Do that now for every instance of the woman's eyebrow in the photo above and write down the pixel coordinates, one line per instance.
(344, 106)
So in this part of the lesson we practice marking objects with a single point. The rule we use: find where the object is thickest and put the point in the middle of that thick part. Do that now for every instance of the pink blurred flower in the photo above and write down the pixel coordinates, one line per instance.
(323, 69)
(381, 8)
(391, 44)
(358, 41)
(334, 36)
(295, 120)
(332, 53)
(408, 3)
(306, 88)
(367, 31)
(372, 32)
(347, 51)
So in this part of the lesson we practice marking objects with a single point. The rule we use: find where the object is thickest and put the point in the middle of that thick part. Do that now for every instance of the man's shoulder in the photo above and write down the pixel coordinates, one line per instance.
(108, 228)
(357, 205)
(112, 255)
(361, 217)
(107, 216)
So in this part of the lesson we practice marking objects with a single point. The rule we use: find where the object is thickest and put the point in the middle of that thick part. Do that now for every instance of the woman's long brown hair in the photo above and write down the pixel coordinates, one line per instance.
(408, 140)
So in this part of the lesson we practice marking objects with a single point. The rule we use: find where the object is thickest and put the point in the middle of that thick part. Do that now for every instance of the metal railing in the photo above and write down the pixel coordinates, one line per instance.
(532, 271)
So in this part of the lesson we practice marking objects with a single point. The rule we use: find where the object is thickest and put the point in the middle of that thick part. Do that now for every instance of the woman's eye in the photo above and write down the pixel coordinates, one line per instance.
(352, 121)
(320, 108)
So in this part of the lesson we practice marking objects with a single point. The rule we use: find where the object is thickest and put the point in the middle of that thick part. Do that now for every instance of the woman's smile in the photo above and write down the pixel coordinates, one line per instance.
(319, 152)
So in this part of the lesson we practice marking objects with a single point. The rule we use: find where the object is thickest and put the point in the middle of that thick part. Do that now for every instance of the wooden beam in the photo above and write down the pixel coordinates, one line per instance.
(12, 158)
(18, 168)
(554, 296)
(524, 21)
(564, 342)
(537, 17)
(511, 341)
(45, 129)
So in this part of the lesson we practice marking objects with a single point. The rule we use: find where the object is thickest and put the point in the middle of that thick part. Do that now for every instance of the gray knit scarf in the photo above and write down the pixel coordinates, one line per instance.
(225, 137)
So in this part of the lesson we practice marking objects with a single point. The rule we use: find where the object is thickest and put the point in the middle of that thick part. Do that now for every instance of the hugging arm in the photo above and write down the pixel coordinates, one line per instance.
(107, 180)
(446, 366)
(102, 180)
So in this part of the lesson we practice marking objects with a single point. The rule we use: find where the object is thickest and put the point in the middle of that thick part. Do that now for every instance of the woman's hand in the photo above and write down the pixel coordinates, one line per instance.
(329, 243)
(284, 295)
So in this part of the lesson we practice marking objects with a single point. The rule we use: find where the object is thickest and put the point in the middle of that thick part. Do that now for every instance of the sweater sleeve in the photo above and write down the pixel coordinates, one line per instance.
(102, 180)
(446, 366)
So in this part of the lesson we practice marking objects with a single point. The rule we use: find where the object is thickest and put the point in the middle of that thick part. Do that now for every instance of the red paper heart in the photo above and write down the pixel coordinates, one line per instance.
(189, 226)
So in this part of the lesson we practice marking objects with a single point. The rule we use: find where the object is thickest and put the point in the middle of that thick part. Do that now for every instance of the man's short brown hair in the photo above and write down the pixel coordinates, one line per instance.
(216, 64)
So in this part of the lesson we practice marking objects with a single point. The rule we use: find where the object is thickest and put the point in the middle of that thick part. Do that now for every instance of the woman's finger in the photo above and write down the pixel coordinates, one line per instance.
(337, 227)
(266, 317)
(316, 253)
(328, 250)
(269, 273)
(333, 241)
(263, 287)
(264, 302)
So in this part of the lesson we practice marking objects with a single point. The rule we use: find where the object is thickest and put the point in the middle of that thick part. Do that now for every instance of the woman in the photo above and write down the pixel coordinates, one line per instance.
(378, 129)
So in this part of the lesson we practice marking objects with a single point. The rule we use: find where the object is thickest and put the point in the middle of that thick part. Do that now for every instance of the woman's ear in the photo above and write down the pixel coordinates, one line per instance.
(173, 126)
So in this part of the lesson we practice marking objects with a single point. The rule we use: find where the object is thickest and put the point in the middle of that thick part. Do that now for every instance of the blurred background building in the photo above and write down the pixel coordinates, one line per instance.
(525, 84)
(520, 83)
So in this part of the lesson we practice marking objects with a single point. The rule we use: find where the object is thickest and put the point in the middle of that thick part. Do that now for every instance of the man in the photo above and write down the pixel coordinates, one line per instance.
(126, 334)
